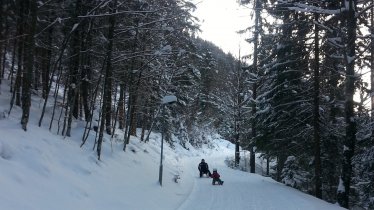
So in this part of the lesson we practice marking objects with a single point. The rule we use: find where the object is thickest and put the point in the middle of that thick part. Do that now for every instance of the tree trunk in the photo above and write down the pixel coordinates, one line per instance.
(132, 98)
(11, 74)
(134, 114)
(107, 103)
(254, 86)
(92, 104)
(86, 71)
(108, 76)
(5, 45)
(316, 131)
(121, 106)
(46, 65)
(372, 68)
(2, 37)
(280, 165)
(39, 58)
(132, 124)
(57, 65)
(18, 46)
(29, 63)
(350, 131)
(73, 94)
(267, 165)
(86, 76)
(20, 67)
(144, 122)
(20, 49)
(237, 145)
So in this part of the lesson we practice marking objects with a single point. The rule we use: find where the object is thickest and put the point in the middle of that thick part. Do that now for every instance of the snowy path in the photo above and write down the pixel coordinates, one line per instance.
(244, 191)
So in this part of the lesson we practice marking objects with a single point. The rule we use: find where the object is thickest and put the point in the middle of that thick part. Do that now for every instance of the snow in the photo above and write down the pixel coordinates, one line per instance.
(341, 186)
(169, 99)
(350, 59)
(302, 7)
(42, 171)
(74, 27)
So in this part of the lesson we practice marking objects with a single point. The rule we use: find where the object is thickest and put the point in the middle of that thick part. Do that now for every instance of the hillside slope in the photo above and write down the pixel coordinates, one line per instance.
(40, 170)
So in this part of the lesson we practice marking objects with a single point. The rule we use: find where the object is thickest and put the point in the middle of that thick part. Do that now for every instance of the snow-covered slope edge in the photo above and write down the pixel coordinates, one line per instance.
(40, 170)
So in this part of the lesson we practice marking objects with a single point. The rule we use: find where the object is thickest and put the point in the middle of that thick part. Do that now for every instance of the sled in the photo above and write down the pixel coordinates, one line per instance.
(205, 176)
(218, 183)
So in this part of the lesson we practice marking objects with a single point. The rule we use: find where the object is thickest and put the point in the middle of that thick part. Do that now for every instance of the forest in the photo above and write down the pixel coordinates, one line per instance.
(303, 98)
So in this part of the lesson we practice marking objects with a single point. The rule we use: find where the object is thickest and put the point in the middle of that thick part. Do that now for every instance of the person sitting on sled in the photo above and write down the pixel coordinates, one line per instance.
(216, 177)
(204, 168)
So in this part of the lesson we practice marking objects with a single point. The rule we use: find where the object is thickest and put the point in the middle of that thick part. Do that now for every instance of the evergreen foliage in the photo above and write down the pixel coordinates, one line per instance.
(287, 97)
(300, 99)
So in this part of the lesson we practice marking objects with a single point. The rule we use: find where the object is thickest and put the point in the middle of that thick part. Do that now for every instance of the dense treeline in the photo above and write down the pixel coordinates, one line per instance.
(300, 98)
(109, 63)
(309, 75)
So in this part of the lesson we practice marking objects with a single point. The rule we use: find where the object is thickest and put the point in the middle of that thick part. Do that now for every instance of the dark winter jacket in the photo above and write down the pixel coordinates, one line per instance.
(203, 166)
(215, 175)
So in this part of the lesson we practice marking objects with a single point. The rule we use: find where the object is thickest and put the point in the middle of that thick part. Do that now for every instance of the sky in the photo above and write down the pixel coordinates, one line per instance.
(220, 20)
(41, 170)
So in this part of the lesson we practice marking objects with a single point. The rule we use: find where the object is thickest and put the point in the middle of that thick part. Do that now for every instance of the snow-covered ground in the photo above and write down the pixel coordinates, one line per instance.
(248, 191)
(40, 170)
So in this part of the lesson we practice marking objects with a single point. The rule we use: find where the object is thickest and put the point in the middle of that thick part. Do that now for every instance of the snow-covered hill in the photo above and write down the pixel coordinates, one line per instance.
(40, 170)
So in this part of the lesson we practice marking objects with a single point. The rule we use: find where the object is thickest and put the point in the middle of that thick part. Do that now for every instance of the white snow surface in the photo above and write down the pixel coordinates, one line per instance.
(40, 170)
